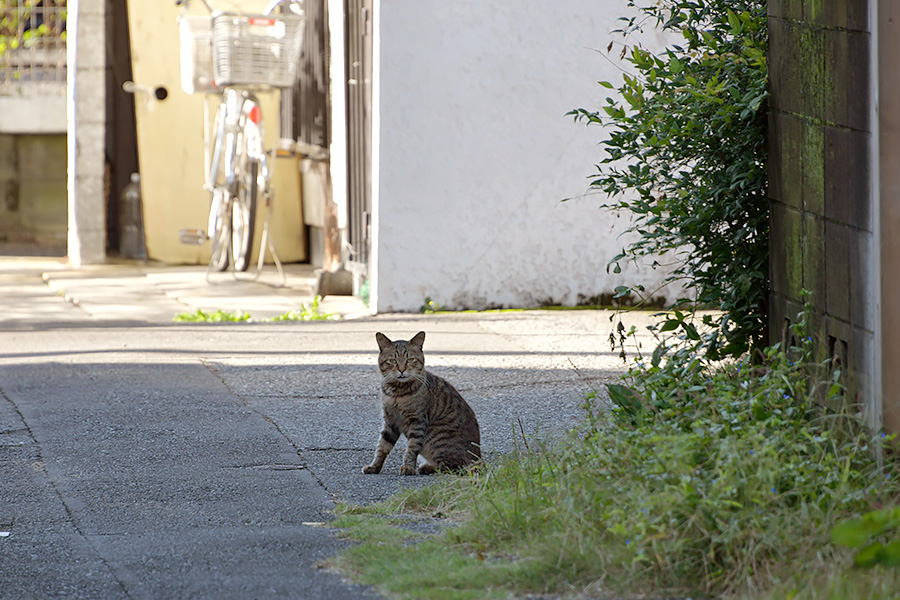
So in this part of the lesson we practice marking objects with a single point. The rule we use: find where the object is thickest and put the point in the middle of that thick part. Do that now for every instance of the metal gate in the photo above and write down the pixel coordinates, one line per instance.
(310, 118)
(358, 25)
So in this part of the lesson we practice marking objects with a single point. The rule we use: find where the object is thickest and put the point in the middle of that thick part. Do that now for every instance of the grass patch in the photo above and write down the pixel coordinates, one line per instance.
(705, 481)
(370, 528)
(307, 312)
(406, 564)
(219, 316)
(426, 570)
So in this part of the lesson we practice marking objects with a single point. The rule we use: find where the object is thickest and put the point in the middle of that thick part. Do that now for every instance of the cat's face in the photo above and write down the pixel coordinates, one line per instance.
(401, 360)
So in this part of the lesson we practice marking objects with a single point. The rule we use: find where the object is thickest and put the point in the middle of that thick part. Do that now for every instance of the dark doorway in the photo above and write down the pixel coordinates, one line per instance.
(121, 131)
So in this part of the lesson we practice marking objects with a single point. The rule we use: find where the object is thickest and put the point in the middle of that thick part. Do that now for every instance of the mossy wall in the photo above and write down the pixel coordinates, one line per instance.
(820, 156)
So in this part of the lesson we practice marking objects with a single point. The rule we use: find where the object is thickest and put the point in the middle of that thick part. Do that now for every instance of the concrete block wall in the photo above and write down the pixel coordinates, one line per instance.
(33, 191)
(823, 229)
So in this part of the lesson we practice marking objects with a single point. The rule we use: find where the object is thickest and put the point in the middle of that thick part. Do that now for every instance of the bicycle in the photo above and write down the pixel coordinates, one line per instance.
(235, 54)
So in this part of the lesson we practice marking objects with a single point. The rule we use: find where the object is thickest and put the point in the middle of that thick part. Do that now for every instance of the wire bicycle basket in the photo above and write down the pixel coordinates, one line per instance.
(238, 49)
(256, 49)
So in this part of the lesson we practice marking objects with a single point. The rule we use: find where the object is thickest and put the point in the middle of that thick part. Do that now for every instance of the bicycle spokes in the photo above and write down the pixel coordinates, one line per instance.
(220, 229)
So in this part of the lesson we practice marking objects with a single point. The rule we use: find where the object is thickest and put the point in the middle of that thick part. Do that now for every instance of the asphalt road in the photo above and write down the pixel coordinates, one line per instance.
(145, 459)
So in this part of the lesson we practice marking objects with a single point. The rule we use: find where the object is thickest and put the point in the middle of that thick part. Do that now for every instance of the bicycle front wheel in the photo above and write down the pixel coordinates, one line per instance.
(219, 229)
(219, 223)
(243, 213)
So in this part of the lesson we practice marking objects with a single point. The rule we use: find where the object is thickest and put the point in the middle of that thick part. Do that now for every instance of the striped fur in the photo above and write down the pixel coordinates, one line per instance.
(436, 420)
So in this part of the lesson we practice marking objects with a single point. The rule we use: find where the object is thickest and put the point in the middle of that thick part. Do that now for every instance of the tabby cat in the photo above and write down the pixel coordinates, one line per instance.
(437, 422)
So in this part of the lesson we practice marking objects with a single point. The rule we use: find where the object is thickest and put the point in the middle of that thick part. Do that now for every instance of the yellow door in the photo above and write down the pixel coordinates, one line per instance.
(170, 136)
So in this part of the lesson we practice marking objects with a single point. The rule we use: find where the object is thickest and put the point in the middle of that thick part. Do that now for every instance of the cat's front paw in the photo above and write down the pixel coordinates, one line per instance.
(371, 469)
(407, 470)
(427, 469)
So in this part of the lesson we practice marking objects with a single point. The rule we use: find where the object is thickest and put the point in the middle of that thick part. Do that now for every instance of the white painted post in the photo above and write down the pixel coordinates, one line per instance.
(86, 112)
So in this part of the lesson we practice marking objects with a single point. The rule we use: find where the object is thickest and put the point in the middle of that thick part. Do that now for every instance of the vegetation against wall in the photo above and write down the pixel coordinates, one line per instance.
(31, 27)
(686, 158)
(21, 21)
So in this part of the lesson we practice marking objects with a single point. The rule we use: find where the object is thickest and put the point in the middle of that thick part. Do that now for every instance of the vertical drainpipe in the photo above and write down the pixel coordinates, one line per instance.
(86, 130)
(875, 410)
(885, 17)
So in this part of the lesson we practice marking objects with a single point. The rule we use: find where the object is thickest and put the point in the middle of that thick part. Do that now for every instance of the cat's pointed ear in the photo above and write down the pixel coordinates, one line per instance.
(383, 341)
(418, 340)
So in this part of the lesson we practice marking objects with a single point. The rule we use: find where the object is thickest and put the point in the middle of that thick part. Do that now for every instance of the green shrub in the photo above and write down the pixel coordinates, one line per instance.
(686, 157)
(736, 470)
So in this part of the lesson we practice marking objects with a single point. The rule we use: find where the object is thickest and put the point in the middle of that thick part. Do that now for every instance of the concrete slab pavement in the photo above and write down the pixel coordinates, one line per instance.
(152, 292)
(149, 459)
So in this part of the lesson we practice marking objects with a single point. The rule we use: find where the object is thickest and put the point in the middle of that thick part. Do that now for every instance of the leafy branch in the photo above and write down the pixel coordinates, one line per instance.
(686, 157)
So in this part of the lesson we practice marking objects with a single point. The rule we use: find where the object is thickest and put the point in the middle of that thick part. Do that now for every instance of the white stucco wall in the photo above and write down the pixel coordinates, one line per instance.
(474, 154)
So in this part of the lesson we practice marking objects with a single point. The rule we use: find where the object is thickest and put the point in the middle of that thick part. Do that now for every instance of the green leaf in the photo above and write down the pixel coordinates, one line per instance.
(658, 352)
(690, 331)
(890, 554)
(851, 534)
(855, 532)
(734, 22)
(621, 291)
(624, 397)
(670, 325)
(868, 556)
